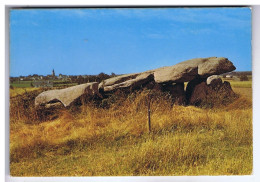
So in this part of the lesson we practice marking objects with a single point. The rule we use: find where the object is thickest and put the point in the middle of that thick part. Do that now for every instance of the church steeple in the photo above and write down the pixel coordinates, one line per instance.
(53, 73)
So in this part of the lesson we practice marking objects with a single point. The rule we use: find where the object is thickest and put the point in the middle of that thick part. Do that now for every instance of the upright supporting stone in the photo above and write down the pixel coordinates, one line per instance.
(191, 86)
(214, 94)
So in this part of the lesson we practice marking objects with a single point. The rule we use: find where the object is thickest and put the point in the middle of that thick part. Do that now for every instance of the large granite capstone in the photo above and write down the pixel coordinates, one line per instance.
(181, 72)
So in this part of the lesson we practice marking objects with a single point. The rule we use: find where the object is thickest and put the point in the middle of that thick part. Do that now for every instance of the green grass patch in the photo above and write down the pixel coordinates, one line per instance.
(21, 84)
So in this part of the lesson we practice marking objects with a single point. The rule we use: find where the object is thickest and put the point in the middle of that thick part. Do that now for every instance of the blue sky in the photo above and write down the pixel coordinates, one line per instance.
(124, 40)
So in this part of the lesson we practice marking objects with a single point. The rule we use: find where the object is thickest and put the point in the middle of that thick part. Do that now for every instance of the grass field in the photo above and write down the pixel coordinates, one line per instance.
(93, 141)
(241, 84)
(28, 84)
(21, 84)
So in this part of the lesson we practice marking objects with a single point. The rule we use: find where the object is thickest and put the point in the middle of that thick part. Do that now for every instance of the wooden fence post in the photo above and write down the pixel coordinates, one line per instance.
(149, 112)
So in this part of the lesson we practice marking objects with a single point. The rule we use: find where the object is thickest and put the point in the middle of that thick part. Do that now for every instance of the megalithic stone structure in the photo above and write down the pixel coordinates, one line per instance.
(195, 71)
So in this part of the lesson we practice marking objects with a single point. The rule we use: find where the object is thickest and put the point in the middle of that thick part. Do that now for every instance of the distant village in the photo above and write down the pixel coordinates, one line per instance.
(52, 79)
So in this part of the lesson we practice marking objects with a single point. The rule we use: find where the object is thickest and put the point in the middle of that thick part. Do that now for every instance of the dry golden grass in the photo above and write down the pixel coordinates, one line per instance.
(20, 91)
(94, 141)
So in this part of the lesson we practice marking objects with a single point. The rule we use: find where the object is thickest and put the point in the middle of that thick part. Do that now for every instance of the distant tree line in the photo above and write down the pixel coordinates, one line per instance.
(243, 78)
(91, 78)
(242, 75)
(238, 73)
(79, 79)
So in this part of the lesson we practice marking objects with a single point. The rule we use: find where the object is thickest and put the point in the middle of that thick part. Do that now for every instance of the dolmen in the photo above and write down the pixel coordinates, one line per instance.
(201, 75)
